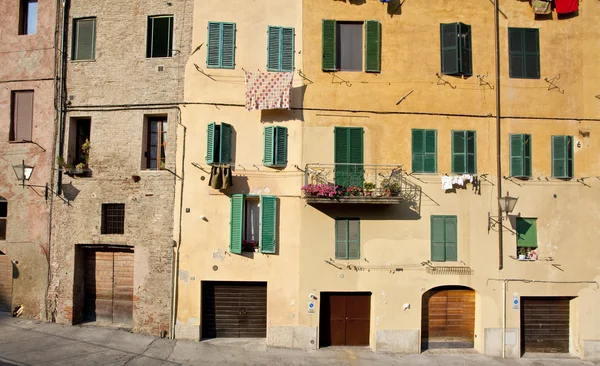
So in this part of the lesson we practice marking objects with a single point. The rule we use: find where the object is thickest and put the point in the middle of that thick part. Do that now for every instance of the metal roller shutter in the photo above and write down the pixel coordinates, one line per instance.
(234, 309)
(545, 324)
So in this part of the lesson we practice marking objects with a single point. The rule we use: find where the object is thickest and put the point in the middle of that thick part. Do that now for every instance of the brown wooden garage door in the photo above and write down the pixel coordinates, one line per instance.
(234, 309)
(345, 319)
(108, 286)
(6, 277)
(448, 318)
(545, 324)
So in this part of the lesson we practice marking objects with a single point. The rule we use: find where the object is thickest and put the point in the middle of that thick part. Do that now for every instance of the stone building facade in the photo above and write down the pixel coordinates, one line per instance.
(112, 242)
(27, 121)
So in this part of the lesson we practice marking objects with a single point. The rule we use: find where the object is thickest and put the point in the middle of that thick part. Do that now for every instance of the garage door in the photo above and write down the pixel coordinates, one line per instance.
(545, 324)
(108, 286)
(234, 309)
(345, 319)
(448, 318)
(6, 277)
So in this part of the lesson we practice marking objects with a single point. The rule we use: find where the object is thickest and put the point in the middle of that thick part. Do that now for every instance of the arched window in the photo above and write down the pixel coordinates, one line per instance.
(3, 215)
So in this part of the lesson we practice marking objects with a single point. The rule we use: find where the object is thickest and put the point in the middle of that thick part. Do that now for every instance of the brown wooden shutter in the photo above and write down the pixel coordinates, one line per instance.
(22, 115)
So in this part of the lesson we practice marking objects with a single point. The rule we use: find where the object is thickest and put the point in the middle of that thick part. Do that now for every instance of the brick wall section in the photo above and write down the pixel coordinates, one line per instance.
(121, 75)
(27, 64)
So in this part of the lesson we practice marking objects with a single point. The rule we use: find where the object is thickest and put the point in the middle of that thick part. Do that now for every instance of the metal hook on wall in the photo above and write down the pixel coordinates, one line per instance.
(552, 85)
(443, 82)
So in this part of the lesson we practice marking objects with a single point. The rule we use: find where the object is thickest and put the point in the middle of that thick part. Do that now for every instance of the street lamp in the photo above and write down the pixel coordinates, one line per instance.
(23, 172)
(507, 205)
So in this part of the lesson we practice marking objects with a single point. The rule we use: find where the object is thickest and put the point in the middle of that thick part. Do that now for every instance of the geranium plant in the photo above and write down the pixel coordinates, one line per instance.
(249, 245)
(321, 190)
(354, 191)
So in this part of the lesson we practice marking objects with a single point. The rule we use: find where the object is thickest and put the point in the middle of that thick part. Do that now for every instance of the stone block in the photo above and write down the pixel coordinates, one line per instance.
(493, 342)
(591, 350)
(397, 341)
(186, 331)
(304, 338)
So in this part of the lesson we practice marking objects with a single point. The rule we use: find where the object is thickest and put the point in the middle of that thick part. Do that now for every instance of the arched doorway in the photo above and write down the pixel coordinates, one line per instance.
(448, 318)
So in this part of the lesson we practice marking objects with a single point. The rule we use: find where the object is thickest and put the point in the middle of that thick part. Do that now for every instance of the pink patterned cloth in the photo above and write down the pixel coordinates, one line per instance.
(268, 90)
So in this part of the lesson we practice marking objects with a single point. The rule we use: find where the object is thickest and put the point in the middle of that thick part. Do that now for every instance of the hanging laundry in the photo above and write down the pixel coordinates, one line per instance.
(446, 182)
(220, 177)
(566, 6)
(268, 90)
(458, 180)
(467, 178)
(541, 6)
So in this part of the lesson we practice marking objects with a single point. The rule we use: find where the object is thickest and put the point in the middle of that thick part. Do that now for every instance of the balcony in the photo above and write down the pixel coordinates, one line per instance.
(356, 183)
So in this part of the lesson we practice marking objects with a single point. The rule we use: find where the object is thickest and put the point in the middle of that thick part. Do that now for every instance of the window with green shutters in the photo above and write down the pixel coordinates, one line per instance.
(220, 52)
(275, 151)
(464, 152)
(562, 157)
(347, 239)
(242, 218)
(280, 49)
(348, 156)
(444, 245)
(218, 143)
(524, 53)
(159, 42)
(455, 41)
(342, 42)
(520, 155)
(424, 151)
(84, 39)
(526, 232)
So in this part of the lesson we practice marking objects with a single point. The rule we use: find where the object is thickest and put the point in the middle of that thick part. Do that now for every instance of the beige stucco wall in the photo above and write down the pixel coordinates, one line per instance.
(219, 97)
(395, 236)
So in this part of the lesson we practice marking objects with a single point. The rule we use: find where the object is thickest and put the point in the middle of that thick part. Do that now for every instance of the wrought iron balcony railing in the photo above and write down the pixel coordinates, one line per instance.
(353, 183)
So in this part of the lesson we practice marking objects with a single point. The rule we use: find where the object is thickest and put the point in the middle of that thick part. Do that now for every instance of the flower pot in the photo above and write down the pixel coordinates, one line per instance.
(255, 250)
(522, 257)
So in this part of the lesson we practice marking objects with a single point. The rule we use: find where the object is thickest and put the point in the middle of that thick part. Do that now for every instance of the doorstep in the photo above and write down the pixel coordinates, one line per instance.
(549, 355)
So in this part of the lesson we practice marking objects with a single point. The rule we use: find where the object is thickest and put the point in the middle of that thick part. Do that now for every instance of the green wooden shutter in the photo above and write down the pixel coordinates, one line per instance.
(466, 58)
(268, 223)
(516, 156)
(562, 157)
(225, 143)
(450, 238)
(471, 148)
(280, 150)
(287, 49)
(228, 46)
(353, 239)
(372, 46)
(459, 153)
(236, 223)
(213, 53)
(268, 157)
(356, 155)
(527, 155)
(438, 247)
(341, 155)
(274, 49)
(449, 48)
(418, 151)
(526, 232)
(430, 159)
(329, 49)
(531, 40)
(516, 53)
(210, 143)
(341, 239)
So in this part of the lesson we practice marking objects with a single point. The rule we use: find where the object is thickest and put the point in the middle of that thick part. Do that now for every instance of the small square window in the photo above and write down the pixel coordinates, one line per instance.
(28, 17)
(113, 218)
(160, 36)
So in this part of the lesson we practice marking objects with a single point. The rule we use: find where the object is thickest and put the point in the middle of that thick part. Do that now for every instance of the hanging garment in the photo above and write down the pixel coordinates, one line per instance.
(467, 178)
(268, 90)
(541, 7)
(216, 178)
(446, 182)
(227, 177)
(566, 6)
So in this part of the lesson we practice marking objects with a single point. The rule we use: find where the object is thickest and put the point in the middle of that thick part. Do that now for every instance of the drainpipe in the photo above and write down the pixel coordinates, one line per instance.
(498, 149)
(504, 318)
(61, 91)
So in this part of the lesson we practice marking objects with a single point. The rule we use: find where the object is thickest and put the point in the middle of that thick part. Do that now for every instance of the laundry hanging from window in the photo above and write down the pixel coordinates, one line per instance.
(220, 177)
(541, 7)
(566, 6)
(268, 90)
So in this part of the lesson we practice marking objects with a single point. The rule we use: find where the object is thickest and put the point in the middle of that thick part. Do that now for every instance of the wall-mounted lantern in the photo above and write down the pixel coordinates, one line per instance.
(507, 205)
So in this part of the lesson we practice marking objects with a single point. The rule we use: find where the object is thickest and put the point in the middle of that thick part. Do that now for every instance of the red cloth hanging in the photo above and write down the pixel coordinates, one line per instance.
(566, 6)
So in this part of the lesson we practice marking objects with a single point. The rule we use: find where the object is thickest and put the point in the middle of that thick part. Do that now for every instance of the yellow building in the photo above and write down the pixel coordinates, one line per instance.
(396, 105)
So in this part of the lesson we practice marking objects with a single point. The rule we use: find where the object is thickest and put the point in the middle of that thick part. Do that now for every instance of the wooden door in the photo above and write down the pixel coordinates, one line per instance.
(345, 319)
(545, 324)
(6, 281)
(234, 309)
(108, 286)
(448, 318)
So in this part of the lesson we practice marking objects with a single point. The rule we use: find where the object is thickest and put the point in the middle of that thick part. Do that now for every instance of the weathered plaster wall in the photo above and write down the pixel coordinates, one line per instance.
(205, 244)
(118, 91)
(27, 64)
(398, 237)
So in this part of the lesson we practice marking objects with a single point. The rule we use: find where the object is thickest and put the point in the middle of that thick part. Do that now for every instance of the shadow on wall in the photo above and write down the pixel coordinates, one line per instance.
(283, 115)
(377, 212)
(240, 185)
(70, 192)
(15, 270)
(394, 7)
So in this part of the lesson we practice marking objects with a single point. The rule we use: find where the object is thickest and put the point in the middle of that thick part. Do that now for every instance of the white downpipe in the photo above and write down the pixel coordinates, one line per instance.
(503, 318)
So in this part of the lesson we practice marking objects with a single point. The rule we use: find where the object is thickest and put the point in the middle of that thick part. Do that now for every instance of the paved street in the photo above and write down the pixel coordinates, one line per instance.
(26, 342)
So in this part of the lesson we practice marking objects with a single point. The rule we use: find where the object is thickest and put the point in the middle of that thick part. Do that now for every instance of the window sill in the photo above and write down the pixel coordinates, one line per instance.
(76, 61)
(159, 58)
(425, 173)
(20, 142)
